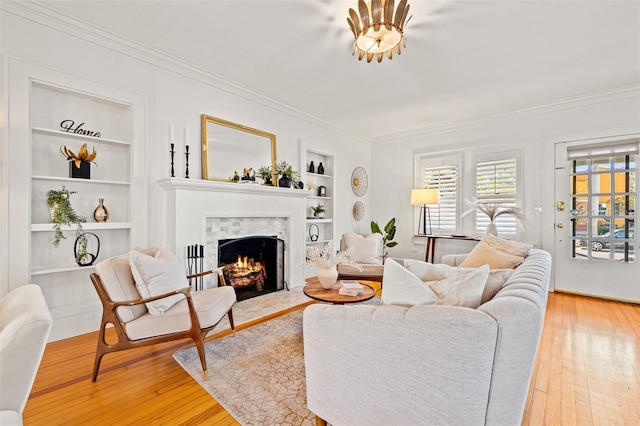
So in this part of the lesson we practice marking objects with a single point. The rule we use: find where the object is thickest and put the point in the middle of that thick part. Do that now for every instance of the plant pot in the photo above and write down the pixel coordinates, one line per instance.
(328, 277)
(82, 172)
(284, 182)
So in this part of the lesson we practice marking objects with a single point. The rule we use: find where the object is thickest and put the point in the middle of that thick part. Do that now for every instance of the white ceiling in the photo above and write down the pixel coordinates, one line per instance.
(463, 59)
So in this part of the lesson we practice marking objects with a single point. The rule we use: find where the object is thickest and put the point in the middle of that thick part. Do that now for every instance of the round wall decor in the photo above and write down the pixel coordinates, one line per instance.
(359, 181)
(358, 210)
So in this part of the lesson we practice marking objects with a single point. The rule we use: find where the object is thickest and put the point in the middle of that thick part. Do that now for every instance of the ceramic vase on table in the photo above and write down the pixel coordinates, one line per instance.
(328, 277)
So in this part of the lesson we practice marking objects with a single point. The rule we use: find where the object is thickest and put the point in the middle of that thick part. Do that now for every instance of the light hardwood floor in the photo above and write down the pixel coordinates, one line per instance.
(587, 373)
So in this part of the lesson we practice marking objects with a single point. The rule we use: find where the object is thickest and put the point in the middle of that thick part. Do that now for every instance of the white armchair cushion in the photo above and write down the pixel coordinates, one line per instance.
(402, 287)
(365, 249)
(159, 274)
(429, 272)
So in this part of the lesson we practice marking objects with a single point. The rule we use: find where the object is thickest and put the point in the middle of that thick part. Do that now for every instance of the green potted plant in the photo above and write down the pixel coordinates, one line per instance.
(289, 177)
(266, 174)
(318, 211)
(388, 234)
(62, 213)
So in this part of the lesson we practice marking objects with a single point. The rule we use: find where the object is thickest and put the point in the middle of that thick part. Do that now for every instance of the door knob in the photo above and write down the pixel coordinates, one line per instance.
(560, 225)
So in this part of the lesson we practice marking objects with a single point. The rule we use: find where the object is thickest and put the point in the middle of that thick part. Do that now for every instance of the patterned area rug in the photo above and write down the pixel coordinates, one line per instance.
(258, 375)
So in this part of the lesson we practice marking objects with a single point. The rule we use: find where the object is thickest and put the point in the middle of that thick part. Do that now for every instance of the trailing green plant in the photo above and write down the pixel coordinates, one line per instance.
(388, 234)
(62, 213)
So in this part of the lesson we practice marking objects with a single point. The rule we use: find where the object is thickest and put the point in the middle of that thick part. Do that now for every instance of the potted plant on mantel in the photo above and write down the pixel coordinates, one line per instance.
(266, 174)
(289, 176)
(62, 213)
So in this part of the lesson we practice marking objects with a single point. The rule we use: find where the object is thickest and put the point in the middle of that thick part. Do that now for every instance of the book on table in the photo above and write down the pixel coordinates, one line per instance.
(350, 288)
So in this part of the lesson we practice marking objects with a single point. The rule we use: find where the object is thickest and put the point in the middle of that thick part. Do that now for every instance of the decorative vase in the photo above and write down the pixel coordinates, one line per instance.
(312, 168)
(328, 277)
(101, 214)
(320, 169)
(284, 182)
(82, 172)
(492, 229)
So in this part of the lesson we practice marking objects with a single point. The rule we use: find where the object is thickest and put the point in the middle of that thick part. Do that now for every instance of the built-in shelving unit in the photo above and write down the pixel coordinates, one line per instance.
(41, 100)
(322, 226)
(52, 105)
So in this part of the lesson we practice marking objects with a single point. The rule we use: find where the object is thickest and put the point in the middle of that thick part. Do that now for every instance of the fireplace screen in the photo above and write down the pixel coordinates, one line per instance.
(253, 265)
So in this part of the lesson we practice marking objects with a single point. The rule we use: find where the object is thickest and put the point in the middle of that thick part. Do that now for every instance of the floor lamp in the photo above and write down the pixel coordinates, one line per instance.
(422, 197)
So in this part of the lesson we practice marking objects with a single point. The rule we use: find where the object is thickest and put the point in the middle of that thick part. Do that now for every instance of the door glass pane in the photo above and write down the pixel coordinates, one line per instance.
(581, 166)
(600, 164)
(600, 182)
(603, 208)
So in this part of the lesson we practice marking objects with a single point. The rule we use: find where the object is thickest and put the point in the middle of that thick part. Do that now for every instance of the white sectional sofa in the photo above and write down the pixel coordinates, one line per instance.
(428, 364)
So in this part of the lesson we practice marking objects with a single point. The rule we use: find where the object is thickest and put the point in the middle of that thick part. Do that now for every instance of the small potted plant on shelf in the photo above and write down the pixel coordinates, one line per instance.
(62, 213)
(266, 174)
(289, 177)
(80, 167)
(318, 211)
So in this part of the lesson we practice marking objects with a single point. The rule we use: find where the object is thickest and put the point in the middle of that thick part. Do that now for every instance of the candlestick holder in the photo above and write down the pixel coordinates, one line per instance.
(186, 166)
(173, 153)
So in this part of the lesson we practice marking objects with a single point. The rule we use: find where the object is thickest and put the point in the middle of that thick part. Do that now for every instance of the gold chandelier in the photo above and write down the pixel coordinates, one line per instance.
(376, 30)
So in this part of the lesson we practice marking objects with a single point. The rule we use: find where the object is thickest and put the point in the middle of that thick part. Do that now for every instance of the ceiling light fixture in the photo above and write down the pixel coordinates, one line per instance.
(378, 30)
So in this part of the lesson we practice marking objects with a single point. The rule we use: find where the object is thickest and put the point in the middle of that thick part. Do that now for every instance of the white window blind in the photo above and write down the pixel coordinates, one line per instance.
(496, 183)
(445, 179)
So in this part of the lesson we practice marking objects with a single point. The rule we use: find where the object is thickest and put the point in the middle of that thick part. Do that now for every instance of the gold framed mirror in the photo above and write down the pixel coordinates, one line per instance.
(230, 148)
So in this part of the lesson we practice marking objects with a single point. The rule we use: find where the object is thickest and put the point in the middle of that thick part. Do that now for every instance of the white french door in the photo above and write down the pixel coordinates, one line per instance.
(595, 215)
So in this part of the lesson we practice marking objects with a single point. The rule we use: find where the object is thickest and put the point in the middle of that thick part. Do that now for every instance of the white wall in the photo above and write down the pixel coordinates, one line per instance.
(535, 131)
(175, 94)
(180, 95)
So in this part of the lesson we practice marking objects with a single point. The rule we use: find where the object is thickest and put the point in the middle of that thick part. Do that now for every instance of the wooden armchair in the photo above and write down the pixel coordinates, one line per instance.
(193, 317)
(367, 251)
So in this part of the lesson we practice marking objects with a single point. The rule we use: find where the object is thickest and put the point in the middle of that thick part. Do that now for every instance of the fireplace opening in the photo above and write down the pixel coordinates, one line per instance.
(253, 265)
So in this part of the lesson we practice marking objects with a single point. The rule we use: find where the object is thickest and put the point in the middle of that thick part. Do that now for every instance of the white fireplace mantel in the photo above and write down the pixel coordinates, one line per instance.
(189, 202)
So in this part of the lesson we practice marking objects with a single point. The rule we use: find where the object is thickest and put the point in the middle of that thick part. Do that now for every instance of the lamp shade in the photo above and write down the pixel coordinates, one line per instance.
(421, 196)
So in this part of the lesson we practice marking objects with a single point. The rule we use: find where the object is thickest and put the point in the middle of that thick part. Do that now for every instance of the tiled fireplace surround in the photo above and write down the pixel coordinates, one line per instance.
(204, 212)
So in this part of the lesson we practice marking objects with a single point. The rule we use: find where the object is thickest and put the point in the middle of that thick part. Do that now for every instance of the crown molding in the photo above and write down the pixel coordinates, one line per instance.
(43, 15)
(626, 92)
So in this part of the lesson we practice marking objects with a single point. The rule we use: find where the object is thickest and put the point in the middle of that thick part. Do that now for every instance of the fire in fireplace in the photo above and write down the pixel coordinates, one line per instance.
(253, 265)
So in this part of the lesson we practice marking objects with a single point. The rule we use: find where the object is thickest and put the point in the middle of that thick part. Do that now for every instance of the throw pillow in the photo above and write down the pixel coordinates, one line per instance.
(430, 272)
(484, 254)
(403, 287)
(364, 248)
(461, 290)
(511, 247)
(159, 274)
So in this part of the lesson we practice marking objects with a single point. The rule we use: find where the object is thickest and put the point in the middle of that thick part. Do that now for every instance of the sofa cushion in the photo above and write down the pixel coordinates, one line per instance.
(365, 249)
(484, 254)
(210, 305)
(429, 272)
(159, 274)
(402, 287)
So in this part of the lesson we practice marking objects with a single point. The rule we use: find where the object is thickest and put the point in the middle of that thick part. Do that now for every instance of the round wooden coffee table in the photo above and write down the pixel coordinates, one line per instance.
(314, 290)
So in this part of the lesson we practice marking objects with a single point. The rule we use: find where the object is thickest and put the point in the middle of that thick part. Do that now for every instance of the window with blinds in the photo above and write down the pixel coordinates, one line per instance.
(496, 183)
(445, 179)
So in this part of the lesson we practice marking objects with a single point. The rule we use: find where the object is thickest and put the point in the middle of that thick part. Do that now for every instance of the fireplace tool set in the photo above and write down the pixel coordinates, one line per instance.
(195, 263)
